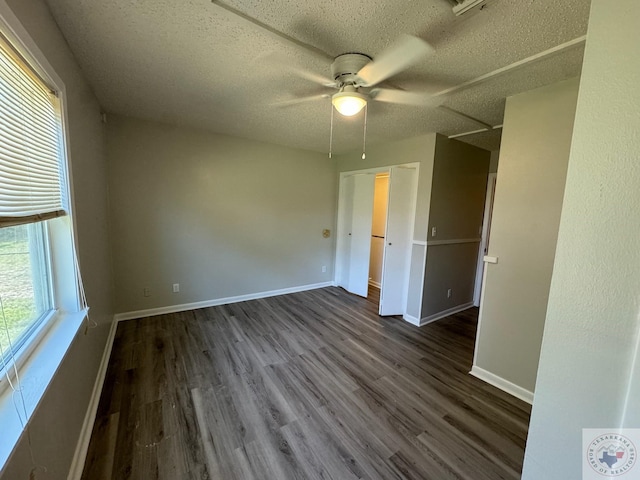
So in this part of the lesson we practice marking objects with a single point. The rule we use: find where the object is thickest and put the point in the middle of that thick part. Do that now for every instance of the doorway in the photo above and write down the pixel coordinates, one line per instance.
(486, 232)
(358, 260)
(378, 228)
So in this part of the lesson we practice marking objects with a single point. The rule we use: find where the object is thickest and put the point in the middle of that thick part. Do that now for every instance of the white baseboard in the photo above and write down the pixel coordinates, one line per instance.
(412, 320)
(80, 455)
(373, 283)
(502, 384)
(445, 313)
(218, 301)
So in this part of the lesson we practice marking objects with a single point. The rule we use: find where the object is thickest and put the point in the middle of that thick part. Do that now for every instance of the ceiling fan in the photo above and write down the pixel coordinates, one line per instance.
(356, 76)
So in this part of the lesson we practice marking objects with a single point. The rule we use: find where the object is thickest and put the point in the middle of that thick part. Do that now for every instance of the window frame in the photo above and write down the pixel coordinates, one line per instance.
(22, 345)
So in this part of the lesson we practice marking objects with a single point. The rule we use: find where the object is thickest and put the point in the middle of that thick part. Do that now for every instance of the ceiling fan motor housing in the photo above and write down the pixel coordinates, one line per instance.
(346, 67)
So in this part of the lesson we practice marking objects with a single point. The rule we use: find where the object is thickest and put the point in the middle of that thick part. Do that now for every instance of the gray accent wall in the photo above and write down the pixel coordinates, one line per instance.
(449, 267)
(56, 424)
(221, 216)
(456, 209)
(589, 375)
(528, 200)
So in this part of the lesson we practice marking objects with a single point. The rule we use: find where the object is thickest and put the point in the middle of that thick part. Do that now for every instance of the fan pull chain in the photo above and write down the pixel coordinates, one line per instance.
(331, 133)
(364, 138)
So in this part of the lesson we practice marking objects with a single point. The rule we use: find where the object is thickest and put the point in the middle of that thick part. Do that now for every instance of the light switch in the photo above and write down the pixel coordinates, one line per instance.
(433, 231)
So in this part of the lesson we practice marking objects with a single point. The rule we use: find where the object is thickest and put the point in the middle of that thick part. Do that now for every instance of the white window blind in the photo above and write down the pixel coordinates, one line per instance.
(31, 179)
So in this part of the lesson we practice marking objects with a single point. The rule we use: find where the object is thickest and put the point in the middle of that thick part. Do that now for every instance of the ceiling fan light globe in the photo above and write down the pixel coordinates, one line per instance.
(349, 103)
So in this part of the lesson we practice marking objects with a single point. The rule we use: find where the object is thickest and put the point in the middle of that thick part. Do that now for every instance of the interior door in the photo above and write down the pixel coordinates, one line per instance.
(403, 182)
(358, 219)
(343, 240)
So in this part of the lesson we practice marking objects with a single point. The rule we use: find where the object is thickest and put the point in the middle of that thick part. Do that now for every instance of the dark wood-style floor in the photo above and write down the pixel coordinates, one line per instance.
(313, 385)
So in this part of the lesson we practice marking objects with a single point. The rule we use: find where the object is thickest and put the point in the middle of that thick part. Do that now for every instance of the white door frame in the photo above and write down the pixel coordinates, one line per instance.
(340, 238)
(486, 225)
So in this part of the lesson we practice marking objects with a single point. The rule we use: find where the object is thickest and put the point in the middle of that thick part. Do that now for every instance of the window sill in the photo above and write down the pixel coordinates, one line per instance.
(35, 376)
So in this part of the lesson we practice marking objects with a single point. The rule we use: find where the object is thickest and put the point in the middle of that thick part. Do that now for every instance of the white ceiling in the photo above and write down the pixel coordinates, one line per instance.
(193, 63)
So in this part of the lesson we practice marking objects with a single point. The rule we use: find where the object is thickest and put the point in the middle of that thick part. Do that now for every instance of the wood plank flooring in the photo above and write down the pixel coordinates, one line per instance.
(313, 385)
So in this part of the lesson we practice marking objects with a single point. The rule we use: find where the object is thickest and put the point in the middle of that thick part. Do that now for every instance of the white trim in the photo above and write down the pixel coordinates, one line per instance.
(412, 320)
(80, 455)
(466, 117)
(419, 242)
(488, 259)
(504, 385)
(36, 376)
(218, 301)
(475, 132)
(24, 354)
(486, 229)
(373, 283)
(372, 170)
(576, 42)
(445, 313)
(479, 324)
(454, 241)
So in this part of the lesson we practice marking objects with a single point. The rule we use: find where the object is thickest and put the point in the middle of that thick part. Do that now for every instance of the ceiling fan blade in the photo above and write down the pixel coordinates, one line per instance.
(406, 98)
(297, 101)
(312, 76)
(401, 55)
(295, 68)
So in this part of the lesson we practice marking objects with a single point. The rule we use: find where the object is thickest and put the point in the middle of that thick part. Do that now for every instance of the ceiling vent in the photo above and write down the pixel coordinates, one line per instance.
(463, 6)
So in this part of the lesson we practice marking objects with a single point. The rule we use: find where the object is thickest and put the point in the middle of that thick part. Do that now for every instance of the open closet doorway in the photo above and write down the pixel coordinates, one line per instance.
(364, 255)
(378, 231)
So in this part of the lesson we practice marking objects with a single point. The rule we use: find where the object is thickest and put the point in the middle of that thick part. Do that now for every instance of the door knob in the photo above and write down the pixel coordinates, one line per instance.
(389, 243)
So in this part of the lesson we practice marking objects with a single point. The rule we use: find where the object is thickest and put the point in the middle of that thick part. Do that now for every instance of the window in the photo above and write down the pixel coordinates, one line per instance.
(32, 196)
(31, 191)
(25, 284)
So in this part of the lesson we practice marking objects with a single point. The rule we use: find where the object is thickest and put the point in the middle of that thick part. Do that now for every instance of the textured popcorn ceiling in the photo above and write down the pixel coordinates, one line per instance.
(193, 63)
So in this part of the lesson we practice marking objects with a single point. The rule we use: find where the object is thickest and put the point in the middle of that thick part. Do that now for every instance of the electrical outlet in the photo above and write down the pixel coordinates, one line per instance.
(449, 292)
(324, 269)
(146, 291)
(176, 287)
(434, 230)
